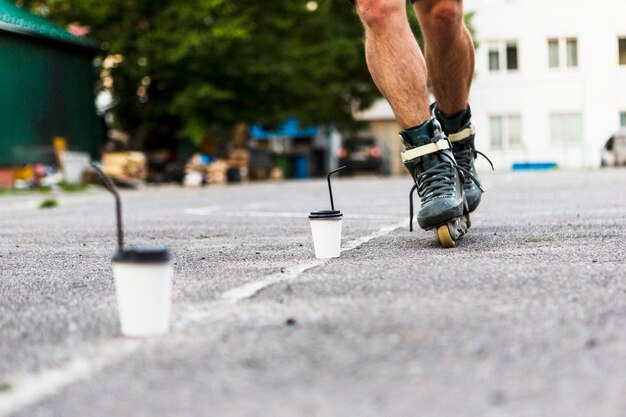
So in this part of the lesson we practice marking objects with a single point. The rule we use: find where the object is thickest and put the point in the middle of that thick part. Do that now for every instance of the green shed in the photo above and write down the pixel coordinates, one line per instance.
(47, 89)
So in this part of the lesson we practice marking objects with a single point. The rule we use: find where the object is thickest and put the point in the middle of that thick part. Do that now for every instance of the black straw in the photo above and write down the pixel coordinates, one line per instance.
(118, 204)
(330, 189)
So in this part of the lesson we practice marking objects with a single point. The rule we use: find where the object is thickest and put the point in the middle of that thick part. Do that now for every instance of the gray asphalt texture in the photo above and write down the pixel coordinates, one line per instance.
(525, 317)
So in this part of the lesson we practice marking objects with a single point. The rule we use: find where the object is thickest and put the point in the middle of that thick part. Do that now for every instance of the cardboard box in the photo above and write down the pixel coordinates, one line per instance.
(125, 165)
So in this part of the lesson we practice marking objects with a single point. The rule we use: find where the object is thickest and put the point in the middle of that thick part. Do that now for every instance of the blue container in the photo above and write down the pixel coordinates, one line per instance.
(534, 166)
(300, 165)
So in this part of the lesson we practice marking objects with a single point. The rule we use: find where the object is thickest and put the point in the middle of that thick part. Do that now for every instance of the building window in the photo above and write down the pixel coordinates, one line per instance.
(569, 50)
(515, 131)
(553, 53)
(506, 131)
(572, 52)
(503, 56)
(622, 119)
(495, 123)
(566, 129)
(511, 56)
(622, 51)
(494, 57)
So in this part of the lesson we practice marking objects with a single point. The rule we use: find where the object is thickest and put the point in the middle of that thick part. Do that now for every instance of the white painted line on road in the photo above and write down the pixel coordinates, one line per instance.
(26, 205)
(28, 389)
(211, 211)
(353, 244)
(202, 211)
(256, 206)
(213, 309)
(251, 289)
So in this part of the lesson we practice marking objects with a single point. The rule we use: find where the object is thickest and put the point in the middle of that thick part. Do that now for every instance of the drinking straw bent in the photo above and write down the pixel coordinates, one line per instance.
(118, 204)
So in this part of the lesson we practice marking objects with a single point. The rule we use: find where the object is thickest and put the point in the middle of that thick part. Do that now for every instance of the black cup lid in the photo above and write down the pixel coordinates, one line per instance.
(145, 255)
(326, 215)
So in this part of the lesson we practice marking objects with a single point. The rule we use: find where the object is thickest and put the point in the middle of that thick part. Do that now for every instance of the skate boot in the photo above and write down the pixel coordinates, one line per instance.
(438, 181)
(461, 134)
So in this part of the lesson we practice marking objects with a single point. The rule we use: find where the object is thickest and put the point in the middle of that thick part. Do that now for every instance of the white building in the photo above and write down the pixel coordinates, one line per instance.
(550, 82)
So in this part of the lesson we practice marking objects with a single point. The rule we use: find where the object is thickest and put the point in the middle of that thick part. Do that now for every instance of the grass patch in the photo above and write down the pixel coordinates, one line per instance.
(48, 203)
(73, 188)
(63, 187)
(5, 386)
(541, 239)
(20, 191)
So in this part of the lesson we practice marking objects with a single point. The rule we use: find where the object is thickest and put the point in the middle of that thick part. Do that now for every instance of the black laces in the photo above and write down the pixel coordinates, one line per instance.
(439, 181)
(435, 182)
(466, 156)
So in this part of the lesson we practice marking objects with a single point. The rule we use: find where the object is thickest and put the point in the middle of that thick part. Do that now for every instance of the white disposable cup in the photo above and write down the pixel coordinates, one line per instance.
(144, 297)
(327, 237)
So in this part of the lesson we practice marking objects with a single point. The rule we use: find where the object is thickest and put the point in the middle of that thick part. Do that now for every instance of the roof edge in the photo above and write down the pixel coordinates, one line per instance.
(22, 22)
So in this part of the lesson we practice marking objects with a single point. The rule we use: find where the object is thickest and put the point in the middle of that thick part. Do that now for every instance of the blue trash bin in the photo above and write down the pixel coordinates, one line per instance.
(300, 166)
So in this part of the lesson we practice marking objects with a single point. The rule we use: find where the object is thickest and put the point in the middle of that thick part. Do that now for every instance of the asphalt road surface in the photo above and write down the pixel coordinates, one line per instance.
(526, 317)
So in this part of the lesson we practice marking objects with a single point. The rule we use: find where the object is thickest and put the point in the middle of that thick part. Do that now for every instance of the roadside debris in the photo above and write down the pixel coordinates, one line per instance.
(48, 203)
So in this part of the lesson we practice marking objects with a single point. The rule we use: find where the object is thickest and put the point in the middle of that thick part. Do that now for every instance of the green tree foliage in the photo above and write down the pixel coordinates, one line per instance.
(218, 62)
(192, 67)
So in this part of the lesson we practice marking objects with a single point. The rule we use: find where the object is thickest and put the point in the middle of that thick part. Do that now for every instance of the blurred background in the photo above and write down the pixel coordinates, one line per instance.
(216, 91)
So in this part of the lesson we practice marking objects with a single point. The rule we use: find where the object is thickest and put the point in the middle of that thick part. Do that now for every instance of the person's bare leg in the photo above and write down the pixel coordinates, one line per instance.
(394, 59)
(450, 60)
(449, 52)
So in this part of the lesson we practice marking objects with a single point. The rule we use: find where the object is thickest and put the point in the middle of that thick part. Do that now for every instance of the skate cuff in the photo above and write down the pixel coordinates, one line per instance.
(463, 134)
(420, 151)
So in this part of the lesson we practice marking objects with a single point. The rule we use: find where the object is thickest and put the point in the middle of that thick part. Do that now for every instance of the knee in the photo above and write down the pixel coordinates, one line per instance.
(441, 16)
(377, 13)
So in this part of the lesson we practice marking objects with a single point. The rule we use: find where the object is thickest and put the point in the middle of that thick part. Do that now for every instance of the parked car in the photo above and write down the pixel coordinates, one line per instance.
(614, 151)
(361, 154)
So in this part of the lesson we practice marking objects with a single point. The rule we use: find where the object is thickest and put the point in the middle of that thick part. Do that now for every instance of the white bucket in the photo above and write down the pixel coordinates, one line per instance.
(74, 165)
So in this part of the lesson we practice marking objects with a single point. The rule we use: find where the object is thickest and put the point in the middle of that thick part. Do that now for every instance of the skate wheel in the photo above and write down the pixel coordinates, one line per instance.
(444, 236)
(466, 219)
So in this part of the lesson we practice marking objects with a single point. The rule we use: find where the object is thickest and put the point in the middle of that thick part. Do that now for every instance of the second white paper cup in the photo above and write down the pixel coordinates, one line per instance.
(326, 230)
(143, 285)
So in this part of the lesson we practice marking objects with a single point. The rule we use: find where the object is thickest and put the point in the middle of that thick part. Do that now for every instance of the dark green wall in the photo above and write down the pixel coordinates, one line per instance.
(45, 91)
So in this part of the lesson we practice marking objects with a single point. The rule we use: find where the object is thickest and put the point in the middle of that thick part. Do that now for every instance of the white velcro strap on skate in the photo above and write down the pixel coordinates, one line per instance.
(420, 151)
(463, 134)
